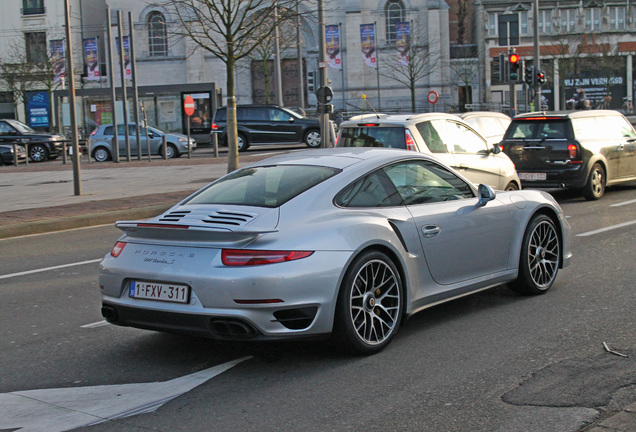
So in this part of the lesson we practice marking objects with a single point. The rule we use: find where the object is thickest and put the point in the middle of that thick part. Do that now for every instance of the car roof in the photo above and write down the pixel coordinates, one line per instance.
(382, 118)
(567, 114)
(484, 114)
(341, 157)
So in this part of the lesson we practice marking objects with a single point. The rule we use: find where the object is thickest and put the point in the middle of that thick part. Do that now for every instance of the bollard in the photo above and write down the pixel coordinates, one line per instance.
(164, 144)
(15, 154)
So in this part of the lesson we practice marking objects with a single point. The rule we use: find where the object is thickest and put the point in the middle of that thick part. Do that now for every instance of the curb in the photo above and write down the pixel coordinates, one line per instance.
(80, 221)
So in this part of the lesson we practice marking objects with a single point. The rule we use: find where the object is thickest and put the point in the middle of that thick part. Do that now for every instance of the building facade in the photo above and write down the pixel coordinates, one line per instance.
(588, 45)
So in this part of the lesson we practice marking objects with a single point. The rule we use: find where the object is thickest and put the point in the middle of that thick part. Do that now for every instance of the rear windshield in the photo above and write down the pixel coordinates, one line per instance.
(373, 136)
(538, 129)
(266, 186)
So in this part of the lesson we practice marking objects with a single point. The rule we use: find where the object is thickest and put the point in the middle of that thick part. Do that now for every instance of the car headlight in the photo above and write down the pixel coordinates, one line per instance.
(182, 140)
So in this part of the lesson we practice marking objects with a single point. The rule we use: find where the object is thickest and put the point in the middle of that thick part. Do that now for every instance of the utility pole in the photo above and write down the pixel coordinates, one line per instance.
(77, 178)
(537, 57)
(322, 66)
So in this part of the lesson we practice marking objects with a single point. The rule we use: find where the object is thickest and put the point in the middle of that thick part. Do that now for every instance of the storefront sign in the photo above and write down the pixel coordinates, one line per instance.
(38, 109)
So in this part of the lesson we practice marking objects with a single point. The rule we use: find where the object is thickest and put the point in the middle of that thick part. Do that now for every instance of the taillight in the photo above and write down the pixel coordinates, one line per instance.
(117, 249)
(572, 149)
(215, 127)
(240, 257)
(337, 139)
(410, 142)
(94, 131)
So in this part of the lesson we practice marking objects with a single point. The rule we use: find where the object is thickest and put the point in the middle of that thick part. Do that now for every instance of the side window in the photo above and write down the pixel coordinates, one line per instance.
(221, 115)
(277, 115)
(121, 130)
(521, 130)
(132, 130)
(423, 182)
(620, 126)
(373, 190)
(464, 140)
(432, 137)
(5, 128)
(108, 130)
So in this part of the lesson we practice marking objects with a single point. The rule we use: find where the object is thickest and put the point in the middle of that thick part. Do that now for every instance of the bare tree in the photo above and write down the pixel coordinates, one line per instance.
(421, 64)
(230, 30)
(21, 74)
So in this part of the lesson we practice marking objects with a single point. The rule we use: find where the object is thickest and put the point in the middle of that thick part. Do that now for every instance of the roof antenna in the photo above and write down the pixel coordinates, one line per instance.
(366, 100)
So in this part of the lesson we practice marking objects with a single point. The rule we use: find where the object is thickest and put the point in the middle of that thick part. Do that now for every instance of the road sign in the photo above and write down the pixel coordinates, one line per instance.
(188, 105)
(432, 97)
(324, 94)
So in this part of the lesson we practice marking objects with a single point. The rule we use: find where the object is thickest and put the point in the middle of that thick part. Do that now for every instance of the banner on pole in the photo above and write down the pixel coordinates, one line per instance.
(126, 56)
(403, 42)
(332, 43)
(91, 59)
(58, 61)
(367, 39)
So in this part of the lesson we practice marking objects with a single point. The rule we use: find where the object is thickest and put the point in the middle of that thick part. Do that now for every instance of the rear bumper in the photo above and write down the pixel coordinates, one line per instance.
(573, 177)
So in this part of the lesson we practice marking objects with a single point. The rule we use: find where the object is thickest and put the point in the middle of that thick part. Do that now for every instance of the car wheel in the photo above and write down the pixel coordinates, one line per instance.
(540, 256)
(312, 138)
(595, 186)
(369, 307)
(171, 151)
(38, 153)
(512, 186)
(101, 154)
(243, 144)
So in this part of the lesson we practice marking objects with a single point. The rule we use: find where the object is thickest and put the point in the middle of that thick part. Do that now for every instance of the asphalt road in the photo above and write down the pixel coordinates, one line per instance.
(492, 362)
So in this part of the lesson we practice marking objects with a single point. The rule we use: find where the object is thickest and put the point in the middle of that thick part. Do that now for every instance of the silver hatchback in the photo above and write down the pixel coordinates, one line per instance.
(445, 136)
(101, 139)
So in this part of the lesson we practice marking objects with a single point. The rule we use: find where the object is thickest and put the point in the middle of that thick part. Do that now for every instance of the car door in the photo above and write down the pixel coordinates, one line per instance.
(461, 240)
(283, 126)
(624, 137)
(473, 156)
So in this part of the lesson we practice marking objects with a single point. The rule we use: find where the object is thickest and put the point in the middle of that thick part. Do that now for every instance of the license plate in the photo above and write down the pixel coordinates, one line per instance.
(532, 176)
(160, 291)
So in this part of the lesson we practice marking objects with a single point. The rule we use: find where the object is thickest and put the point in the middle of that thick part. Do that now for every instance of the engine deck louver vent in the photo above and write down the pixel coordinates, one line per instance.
(229, 218)
(175, 216)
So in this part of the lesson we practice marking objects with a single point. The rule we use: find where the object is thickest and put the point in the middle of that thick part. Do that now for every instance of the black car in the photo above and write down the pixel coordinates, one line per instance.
(268, 124)
(586, 150)
(40, 145)
(7, 154)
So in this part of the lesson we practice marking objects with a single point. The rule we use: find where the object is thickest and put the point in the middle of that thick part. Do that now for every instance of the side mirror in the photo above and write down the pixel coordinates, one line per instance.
(291, 119)
(496, 149)
(485, 193)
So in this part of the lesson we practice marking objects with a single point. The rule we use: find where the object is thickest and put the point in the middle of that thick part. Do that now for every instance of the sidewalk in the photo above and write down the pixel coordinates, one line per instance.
(40, 198)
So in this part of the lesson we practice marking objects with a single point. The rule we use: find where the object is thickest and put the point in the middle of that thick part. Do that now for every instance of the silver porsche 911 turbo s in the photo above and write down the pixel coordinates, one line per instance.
(345, 241)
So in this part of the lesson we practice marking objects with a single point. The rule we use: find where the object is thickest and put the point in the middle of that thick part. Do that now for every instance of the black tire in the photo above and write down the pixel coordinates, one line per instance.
(540, 257)
(312, 138)
(38, 153)
(370, 304)
(243, 143)
(595, 185)
(512, 186)
(101, 154)
(171, 151)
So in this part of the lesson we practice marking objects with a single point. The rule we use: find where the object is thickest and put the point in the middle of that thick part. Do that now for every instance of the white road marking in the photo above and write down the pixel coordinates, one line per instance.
(95, 324)
(620, 204)
(49, 268)
(59, 410)
(609, 228)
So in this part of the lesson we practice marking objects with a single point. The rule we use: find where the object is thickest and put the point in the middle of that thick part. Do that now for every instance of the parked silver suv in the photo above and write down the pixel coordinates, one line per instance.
(101, 139)
(445, 136)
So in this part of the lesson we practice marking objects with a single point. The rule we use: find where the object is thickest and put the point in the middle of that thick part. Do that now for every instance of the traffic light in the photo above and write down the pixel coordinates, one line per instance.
(312, 77)
(514, 62)
(529, 75)
(541, 77)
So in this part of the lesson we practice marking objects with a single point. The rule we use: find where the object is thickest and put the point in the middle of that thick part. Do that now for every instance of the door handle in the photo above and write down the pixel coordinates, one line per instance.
(430, 231)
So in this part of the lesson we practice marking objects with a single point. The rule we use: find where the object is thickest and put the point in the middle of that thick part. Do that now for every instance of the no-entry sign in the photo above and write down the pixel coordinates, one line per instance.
(188, 105)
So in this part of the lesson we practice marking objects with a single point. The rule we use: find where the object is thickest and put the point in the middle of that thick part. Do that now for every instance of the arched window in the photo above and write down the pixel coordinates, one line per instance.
(394, 12)
(157, 35)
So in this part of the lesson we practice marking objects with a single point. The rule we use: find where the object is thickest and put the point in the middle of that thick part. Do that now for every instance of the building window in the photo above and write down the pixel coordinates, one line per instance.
(567, 21)
(523, 23)
(492, 24)
(617, 17)
(394, 10)
(35, 47)
(592, 19)
(157, 35)
(545, 21)
(32, 7)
